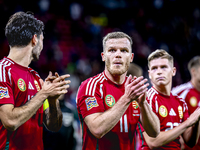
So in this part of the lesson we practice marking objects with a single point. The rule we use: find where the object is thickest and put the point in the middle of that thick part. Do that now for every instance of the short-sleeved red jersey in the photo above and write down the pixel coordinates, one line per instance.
(192, 98)
(98, 94)
(171, 111)
(19, 84)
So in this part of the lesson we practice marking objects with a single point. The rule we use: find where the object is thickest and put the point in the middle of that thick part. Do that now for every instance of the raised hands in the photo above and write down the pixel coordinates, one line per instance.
(54, 86)
(135, 88)
(194, 117)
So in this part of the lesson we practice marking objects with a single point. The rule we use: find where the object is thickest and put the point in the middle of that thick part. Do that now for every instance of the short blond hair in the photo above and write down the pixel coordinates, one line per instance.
(194, 62)
(116, 35)
(160, 53)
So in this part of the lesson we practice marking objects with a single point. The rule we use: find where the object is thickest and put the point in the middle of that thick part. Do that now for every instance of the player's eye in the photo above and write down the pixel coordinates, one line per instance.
(163, 67)
(124, 50)
(112, 50)
(153, 68)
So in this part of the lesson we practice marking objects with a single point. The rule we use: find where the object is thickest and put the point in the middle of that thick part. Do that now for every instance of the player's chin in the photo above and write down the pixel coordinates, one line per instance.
(118, 71)
(161, 84)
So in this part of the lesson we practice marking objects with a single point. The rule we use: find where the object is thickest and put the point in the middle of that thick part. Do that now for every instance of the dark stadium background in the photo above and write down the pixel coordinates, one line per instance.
(74, 32)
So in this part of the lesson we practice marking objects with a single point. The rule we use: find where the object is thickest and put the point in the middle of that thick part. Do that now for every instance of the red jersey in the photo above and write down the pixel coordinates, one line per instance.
(98, 94)
(171, 111)
(192, 98)
(19, 84)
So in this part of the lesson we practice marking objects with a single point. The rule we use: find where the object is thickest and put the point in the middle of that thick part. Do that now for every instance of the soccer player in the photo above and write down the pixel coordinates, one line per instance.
(111, 104)
(190, 91)
(23, 92)
(171, 110)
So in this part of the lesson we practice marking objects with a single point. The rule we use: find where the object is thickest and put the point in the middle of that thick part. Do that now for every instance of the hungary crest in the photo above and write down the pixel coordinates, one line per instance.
(163, 111)
(21, 85)
(110, 101)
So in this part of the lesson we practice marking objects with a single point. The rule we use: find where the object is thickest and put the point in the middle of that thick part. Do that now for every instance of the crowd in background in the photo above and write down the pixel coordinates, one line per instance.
(73, 41)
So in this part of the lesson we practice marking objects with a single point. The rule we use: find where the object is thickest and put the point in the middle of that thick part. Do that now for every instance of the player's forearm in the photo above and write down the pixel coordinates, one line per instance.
(149, 120)
(53, 116)
(19, 115)
(104, 122)
(162, 139)
(165, 137)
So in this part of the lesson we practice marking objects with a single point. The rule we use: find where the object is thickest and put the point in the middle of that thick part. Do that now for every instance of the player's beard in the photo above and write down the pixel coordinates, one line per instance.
(116, 71)
(36, 52)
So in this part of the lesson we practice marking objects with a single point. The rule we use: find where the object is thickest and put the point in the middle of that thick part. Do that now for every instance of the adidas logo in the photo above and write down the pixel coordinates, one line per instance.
(30, 86)
(172, 112)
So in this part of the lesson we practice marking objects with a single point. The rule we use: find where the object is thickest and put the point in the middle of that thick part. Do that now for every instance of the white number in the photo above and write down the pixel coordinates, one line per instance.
(171, 125)
(125, 125)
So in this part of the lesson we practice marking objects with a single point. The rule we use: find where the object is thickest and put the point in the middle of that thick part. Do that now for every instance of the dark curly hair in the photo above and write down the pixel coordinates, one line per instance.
(21, 27)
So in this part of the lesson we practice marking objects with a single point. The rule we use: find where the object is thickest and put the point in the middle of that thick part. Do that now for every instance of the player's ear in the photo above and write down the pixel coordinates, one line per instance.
(132, 56)
(34, 40)
(174, 71)
(192, 71)
(102, 56)
(149, 74)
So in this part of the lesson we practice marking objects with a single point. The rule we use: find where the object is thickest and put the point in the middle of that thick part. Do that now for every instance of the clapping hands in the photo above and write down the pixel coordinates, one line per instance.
(55, 85)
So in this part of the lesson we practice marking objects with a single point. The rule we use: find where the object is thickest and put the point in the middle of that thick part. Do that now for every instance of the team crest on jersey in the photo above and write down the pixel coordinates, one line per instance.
(193, 101)
(21, 85)
(163, 111)
(135, 108)
(180, 111)
(135, 104)
(37, 85)
(91, 102)
(110, 101)
(4, 92)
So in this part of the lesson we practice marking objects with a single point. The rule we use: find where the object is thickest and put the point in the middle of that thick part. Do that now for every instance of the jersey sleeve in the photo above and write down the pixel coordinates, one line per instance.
(6, 91)
(89, 103)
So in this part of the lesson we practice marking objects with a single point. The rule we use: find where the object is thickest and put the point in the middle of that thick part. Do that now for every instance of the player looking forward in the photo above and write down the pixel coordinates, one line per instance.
(171, 110)
(111, 104)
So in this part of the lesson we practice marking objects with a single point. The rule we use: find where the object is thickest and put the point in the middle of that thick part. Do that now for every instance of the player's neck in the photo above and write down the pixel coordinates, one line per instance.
(165, 89)
(118, 79)
(195, 84)
(21, 56)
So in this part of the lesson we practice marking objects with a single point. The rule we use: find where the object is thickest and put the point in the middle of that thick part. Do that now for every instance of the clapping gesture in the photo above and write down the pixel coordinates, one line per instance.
(54, 86)
(135, 89)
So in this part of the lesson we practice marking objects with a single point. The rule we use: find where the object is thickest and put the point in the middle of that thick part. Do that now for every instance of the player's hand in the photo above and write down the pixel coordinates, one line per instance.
(54, 86)
(142, 98)
(135, 88)
(60, 79)
(50, 77)
(194, 117)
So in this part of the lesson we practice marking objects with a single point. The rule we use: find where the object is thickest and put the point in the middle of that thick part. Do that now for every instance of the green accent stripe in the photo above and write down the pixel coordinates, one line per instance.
(97, 147)
(7, 141)
(7, 145)
(141, 133)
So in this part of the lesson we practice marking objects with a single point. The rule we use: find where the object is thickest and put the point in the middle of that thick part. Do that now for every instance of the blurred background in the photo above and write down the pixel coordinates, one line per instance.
(74, 30)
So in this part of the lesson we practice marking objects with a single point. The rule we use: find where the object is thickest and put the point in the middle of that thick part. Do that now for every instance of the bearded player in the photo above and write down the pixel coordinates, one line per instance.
(110, 104)
(23, 92)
